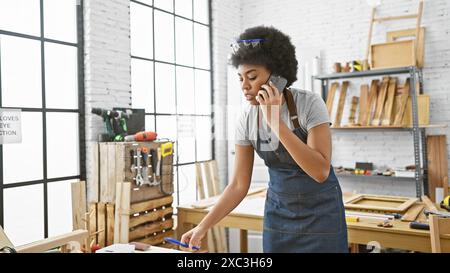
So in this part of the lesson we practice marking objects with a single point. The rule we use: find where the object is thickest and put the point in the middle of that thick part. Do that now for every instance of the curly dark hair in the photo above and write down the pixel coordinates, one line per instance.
(275, 52)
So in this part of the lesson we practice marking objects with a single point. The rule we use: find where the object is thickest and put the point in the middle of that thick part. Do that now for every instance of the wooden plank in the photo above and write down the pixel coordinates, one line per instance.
(148, 229)
(215, 177)
(363, 104)
(437, 163)
(54, 242)
(369, 42)
(150, 217)
(392, 18)
(330, 97)
(393, 54)
(354, 105)
(93, 223)
(423, 109)
(244, 240)
(119, 170)
(124, 212)
(158, 239)
(372, 103)
(429, 204)
(78, 204)
(341, 103)
(380, 101)
(412, 213)
(95, 185)
(101, 224)
(103, 158)
(111, 172)
(199, 180)
(393, 36)
(208, 179)
(403, 100)
(151, 204)
(388, 108)
(109, 224)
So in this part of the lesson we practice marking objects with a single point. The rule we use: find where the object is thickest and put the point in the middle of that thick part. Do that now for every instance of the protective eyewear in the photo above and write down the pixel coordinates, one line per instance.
(248, 43)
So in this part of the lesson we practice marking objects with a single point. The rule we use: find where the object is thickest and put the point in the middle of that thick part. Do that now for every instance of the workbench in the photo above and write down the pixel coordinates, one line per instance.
(248, 215)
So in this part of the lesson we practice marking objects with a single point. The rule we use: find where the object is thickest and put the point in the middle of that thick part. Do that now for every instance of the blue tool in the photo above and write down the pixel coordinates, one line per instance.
(176, 242)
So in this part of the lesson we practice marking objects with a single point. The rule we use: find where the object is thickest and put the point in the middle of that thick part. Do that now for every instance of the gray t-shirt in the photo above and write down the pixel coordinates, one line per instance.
(311, 111)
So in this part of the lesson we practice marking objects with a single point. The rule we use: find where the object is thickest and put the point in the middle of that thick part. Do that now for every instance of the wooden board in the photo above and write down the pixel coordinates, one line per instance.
(412, 213)
(429, 205)
(78, 204)
(423, 108)
(388, 107)
(402, 100)
(330, 97)
(372, 103)
(109, 224)
(437, 163)
(354, 105)
(393, 54)
(363, 104)
(379, 203)
(380, 101)
(393, 36)
(101, 224)
(93, 223)
(150, 228)
(150, 216)
(341, 103)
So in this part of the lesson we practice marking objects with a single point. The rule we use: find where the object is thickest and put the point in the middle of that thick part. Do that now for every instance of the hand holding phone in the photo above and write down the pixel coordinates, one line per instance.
(279, 82)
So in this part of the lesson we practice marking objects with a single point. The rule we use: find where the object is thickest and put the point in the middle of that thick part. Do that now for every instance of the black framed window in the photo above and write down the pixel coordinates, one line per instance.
(172, 80)
(41, 73)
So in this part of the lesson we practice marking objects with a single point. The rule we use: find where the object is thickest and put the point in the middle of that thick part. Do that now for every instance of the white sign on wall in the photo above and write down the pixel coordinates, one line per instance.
(10, 126)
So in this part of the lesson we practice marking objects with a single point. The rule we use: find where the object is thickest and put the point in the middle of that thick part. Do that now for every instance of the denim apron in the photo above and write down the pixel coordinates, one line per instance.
(300, 214)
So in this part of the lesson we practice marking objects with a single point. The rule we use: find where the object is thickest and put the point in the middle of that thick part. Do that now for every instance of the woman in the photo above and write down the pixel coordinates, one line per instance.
(289, 130)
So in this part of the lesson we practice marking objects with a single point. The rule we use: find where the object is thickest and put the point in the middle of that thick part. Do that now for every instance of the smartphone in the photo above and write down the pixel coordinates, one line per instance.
(278, 81)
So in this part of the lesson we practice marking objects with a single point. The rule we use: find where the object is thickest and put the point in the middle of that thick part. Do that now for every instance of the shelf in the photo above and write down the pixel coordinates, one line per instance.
(376, 177)
(390, 127)
(368, 73)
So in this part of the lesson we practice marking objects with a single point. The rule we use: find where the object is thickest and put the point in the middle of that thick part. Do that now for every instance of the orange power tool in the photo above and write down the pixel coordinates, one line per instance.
(142, 136)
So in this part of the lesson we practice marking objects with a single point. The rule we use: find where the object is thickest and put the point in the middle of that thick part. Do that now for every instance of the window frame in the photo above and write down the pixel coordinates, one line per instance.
(154, 61)
(79, 46)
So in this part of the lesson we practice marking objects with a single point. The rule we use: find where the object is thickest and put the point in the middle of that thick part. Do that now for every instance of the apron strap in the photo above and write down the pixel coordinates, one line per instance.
(291, 107)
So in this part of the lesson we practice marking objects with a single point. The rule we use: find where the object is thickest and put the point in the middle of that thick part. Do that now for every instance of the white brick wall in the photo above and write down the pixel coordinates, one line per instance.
(107, 67)
(339, 29)
(226, 22)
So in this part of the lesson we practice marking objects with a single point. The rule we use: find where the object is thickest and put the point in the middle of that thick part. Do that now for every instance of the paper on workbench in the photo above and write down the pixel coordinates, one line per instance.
(252, 206)
(117, 248)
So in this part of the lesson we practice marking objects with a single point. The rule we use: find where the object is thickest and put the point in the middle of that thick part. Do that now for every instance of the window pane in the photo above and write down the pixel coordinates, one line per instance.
(20, 16)
(187, 184)
(186, 139)
(62, 145)
(185, 91)
(184, 42)
(21, 72)
(59, 208)
(165, 88)
(24, 214)
(164, 44)
(166, 127)
(61, 81)
(60, 20)
(148, 2)
(164, 4)
(203, 92)
(201, 46)
(142, 85)
(26, 155)
(141, 25)
(201, 11)
(150, 123)
(184, 8)
(204, 138)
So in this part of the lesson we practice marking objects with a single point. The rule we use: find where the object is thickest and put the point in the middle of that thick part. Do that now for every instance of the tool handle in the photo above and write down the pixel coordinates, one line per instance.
(418, 225)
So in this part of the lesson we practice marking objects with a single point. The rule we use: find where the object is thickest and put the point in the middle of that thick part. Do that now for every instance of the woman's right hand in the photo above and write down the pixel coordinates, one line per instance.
(194, 237)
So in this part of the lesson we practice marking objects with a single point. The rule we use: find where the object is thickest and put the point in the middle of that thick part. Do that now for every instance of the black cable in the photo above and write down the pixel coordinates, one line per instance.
(8, 249)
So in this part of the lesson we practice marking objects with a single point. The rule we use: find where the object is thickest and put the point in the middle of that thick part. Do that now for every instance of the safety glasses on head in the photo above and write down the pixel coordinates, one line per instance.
(247, 43)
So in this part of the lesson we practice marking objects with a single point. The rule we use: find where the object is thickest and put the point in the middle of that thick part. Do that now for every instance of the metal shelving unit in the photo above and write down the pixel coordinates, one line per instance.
(419, 136)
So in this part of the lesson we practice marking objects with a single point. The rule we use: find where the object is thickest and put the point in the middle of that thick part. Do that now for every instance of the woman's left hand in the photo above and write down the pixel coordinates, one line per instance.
(270, 99)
